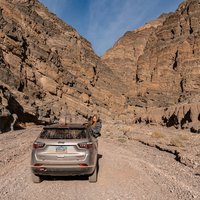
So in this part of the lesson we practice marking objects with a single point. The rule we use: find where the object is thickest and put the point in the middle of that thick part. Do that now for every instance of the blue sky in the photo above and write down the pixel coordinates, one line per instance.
(103, 22)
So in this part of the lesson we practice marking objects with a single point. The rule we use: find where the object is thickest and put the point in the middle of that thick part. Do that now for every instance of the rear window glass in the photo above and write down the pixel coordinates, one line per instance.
(63, 134)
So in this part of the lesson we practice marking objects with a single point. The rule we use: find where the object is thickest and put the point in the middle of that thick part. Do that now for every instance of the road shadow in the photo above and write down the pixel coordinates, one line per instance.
(73, 178)
(65, 178)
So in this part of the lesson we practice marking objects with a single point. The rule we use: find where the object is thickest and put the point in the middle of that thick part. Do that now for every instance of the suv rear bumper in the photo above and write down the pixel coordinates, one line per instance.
(53, 170)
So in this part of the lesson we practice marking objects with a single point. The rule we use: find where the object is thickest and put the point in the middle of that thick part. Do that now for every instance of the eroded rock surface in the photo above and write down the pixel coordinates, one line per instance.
(48, 71)
(159, 64)
(48, 68)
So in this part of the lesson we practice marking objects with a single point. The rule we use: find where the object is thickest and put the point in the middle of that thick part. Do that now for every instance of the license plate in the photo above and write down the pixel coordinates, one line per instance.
(61, 149)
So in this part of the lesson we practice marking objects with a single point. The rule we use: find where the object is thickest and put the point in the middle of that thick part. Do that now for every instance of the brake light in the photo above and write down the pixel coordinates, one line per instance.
(38, 145)
(83, 165)
(85, 145)
(38, 165)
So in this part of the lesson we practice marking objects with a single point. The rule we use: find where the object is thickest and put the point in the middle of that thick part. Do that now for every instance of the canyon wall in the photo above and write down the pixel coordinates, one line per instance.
(48, 70)
(159, 63)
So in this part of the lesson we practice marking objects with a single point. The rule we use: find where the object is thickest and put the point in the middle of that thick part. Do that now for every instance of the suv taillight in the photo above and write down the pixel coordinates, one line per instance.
(85, 145)
(38, 145)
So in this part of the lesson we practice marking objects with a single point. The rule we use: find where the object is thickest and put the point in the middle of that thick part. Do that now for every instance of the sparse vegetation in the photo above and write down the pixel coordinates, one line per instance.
(184, 137)
(177, 142)
(122, 139)
(157, 135)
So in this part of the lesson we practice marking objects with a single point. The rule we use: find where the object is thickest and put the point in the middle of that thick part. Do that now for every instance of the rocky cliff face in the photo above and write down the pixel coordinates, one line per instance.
(160, 63)
(122, 58)
(47, 70)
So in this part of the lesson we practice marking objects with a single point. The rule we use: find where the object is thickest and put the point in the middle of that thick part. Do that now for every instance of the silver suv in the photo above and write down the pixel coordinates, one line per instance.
(64, 150)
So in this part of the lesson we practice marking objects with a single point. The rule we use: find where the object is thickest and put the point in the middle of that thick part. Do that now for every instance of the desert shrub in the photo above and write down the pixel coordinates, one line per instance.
(177, 142)
(157, 135)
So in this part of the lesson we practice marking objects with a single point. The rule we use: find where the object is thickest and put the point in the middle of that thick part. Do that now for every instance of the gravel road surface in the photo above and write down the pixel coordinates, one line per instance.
(127, 170)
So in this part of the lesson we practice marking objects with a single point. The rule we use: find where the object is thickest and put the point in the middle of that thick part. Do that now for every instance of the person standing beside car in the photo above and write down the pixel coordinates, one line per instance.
(95, 125)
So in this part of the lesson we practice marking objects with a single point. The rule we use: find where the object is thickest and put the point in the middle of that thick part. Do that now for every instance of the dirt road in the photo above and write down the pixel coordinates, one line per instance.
(128, 170)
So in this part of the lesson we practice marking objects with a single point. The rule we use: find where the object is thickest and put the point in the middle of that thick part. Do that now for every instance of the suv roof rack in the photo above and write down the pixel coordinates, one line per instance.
(70, 119)
(67, 126)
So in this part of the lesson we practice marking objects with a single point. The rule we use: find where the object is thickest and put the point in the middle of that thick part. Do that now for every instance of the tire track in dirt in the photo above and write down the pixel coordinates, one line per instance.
(127, 170)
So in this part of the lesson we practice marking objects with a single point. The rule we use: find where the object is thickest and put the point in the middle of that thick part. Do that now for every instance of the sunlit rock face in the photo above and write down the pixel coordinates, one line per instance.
(159, 63)
(47, 70)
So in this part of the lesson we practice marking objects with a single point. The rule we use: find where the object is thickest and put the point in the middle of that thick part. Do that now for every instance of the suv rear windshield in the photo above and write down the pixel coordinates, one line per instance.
(63, 134)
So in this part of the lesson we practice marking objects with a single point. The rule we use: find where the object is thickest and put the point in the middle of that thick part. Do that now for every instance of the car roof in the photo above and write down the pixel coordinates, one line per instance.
(65, 126)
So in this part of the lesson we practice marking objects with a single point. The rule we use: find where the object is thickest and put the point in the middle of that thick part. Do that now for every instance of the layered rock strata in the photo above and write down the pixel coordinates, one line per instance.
(160, 63)
(47, 70)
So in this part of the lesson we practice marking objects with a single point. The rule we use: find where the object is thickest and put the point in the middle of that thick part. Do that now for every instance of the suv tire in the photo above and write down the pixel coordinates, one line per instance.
(36, 179)
(93, 177)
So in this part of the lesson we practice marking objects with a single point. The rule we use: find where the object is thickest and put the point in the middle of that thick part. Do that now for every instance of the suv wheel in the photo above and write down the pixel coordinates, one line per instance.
(93, 177)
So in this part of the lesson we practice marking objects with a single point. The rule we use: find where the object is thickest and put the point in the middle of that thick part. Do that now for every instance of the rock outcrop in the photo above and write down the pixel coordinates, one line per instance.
(122, 58)
(159, 64)
(47, 70)
(183, 116)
